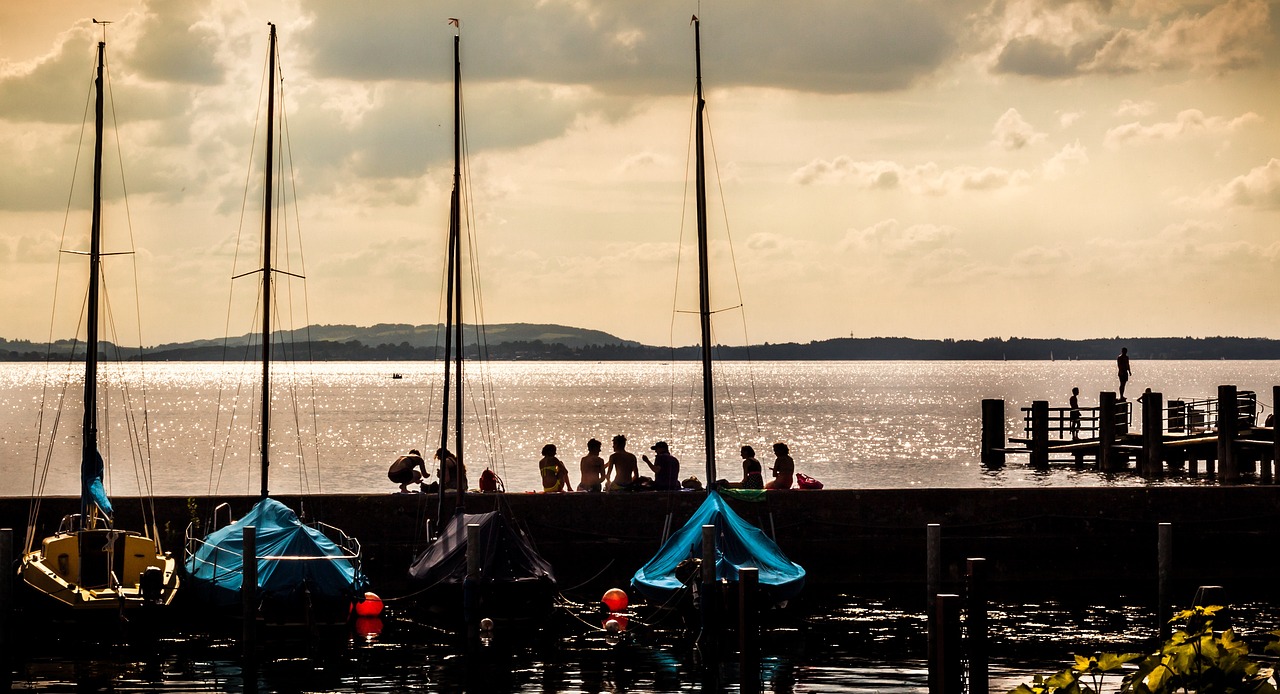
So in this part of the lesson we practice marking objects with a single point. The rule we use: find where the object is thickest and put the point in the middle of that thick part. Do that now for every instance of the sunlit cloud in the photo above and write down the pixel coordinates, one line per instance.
(1188, 123)
(1259, 188)
(923, 179)
(1012, 132)
(1058, 165)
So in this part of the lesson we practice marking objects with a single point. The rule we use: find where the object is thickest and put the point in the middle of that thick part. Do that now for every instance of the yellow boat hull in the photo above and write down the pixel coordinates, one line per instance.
(101, 569)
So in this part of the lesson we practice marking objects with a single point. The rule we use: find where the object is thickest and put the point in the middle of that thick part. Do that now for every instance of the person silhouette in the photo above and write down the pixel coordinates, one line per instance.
(1122, 364)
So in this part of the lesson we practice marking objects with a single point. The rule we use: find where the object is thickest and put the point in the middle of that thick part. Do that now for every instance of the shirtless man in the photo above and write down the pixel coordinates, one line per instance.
(1122, 365)
(622, 465)
(592, 466)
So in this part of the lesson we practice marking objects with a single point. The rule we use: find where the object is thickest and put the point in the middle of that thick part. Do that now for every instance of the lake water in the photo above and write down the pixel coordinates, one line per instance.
(849, 424)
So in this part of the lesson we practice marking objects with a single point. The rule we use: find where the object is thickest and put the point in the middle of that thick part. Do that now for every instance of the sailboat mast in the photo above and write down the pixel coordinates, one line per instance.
(89, 431)
(704, 289)
(457, 260)
(266, 263)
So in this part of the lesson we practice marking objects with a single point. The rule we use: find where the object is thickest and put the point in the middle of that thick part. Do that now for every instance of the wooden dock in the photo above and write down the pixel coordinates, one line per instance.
(1223, 433)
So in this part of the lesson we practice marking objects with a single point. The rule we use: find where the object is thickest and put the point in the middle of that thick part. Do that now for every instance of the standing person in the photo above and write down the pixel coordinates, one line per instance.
(666, 467)
(784, 468)
(1122, 364)
(405, 470)
(452, 473)
(592, 467)
(622, 466)
(1075, 413)
(555, 476)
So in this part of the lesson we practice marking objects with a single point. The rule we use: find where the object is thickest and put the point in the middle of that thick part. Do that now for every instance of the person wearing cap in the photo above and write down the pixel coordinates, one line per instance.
(621, 466)
(666, 468)
(405, 470)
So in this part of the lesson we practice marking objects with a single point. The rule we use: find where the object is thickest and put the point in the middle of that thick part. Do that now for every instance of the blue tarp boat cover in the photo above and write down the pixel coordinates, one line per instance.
(289, 559)
(505, 556)
(738, 544)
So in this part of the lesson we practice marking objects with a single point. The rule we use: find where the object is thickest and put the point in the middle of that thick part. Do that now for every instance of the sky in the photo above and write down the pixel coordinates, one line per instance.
(928, 169)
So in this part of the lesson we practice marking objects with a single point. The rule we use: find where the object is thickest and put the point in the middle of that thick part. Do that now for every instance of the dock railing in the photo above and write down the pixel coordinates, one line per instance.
(1060, 421)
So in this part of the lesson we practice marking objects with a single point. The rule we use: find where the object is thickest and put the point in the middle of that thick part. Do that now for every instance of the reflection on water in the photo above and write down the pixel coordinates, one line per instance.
(850, 424)
(837, 643)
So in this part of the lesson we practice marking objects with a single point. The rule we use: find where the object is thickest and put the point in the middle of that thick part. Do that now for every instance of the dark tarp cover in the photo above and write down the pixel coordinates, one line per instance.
(505, 555)
(289, 557)
(738, 544)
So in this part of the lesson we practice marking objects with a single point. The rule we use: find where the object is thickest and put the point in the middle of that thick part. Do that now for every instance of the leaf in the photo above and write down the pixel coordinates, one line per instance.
(1063, 679)
(1084, 664)
(1112, 661)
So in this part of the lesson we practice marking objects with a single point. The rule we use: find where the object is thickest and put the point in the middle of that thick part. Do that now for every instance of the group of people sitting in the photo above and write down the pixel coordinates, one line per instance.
(621, 471)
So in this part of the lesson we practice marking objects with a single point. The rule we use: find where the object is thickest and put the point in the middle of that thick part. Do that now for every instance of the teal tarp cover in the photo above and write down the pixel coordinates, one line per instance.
(280, 534)
(738, 544)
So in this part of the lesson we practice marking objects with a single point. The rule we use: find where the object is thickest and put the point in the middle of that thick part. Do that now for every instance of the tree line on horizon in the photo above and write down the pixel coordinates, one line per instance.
(854, 349)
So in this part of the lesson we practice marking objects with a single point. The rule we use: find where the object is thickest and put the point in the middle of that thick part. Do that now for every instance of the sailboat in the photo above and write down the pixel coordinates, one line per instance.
(89, 564)
(502, 577)
(306, 572)
(738, 544)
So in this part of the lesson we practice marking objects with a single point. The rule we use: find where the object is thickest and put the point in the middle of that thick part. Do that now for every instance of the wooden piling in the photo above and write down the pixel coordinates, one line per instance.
(1040, 434)
(993, 440)
(1275, 437)
(933, 564)
(1152, 463)
(1228, 428)
(749, 629)
(471, 588)
(6, 590)
(946, 664)
(1107, 410)
(1164, 578)
(976, 624)
(710, 625)
(249, 590)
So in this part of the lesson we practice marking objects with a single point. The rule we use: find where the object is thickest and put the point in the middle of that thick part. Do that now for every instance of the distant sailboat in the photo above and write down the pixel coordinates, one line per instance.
(306, 572)
(89, 564)
(738, 544)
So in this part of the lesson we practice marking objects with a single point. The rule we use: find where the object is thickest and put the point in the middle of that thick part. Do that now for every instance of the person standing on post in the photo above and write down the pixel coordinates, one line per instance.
(1075, 413)
(1122, 364)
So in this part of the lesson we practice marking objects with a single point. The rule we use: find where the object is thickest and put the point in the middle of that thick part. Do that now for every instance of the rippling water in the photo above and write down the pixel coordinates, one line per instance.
(850, 424)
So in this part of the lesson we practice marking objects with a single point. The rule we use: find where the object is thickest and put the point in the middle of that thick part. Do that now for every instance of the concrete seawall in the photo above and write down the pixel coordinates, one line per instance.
(1094, 539)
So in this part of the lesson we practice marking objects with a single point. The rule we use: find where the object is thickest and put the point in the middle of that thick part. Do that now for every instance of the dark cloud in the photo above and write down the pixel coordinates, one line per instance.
(1035, 57)
(174, 47)
(830, 47)
(57, 88)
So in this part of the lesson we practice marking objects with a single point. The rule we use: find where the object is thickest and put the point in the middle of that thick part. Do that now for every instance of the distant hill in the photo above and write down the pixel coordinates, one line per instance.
(557, 342)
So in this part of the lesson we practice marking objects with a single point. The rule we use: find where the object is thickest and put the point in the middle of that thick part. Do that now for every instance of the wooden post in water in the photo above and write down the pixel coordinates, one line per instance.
(709, 604)
(933, 585)
(946, 665)
(471, 587)
(749, 629)
(1040, 434)
(1106, 431)
(993, 441)
(976, 616)
(1228, 427)
(249, 589)
(1164, 579)
(1152, 463)
(6, 593)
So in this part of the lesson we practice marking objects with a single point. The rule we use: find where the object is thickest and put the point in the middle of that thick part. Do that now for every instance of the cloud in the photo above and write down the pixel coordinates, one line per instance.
(1258, 188)
(1055, 167)
(1135, 109)
(637, 47)
(1069, 118)
(176, 44)
(1013, 133)
(1053, 40)
(924, 179)
(890, 239)
(1189, 123)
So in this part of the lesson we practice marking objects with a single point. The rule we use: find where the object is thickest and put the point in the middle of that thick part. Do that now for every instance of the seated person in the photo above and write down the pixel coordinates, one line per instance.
(784, 468)
(555, 476)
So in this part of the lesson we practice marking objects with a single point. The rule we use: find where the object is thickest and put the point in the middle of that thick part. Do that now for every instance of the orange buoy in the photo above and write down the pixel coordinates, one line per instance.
(368, 628)
(371, 606)
(615, 599)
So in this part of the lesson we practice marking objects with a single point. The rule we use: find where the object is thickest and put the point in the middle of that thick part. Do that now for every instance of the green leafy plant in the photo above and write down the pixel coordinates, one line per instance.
(1195, 659)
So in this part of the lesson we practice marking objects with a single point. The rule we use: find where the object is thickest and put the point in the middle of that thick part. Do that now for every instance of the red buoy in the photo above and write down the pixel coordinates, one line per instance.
(615, 599)
(368, 628)
(371, 606)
